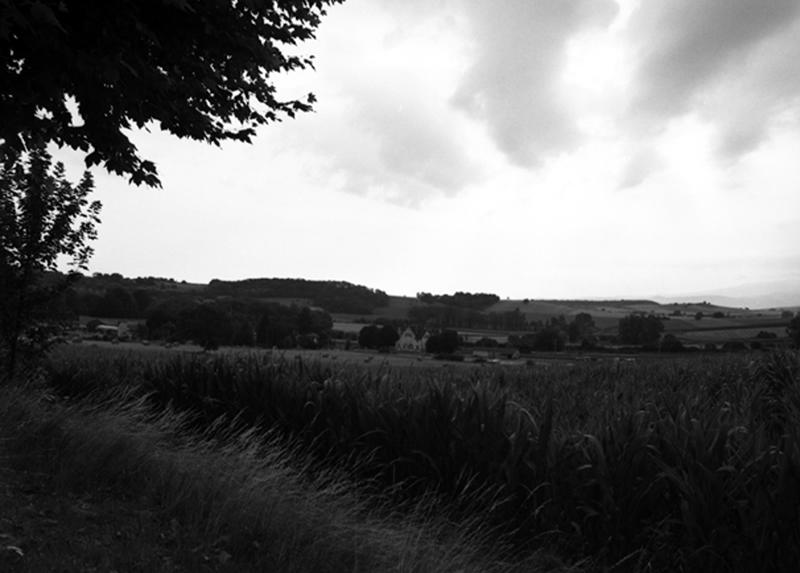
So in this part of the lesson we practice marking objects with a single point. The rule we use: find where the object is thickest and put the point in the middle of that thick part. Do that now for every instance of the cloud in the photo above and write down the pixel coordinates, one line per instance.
(732, 62)
(383, 125)
(416, 144)
(638, 167)
(513, 84)
(423, 99)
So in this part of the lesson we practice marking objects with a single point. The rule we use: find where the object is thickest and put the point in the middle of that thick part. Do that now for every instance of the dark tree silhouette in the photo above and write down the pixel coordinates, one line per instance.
(42, 218)
(582, 328)
(198, 69)
(375, 336)
(445, 342)
(793, 330)
(638, 329)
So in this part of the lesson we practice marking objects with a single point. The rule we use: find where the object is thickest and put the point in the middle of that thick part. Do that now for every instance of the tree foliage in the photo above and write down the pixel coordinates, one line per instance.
(446, 342)
(793, 330)
(552, 337)
(199, 69)
(582, 329)
(224, 322)
(333, 296)
(640, 329)
(44, 220)
(476, 301)
(439, 316)
(375, 336)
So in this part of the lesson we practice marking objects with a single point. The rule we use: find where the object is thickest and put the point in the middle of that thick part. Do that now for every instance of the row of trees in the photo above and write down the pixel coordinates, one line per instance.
(239, 323)
(449, 317)
(556, 332)
(475, 301)
(333, 296)
(114, 296)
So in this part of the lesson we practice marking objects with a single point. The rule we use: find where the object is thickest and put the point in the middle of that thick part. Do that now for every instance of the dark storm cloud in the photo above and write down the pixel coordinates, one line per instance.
(732, 61)
(513, 83)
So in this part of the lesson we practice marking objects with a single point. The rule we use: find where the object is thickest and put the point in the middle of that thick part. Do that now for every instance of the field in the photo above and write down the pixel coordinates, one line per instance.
(735, 324)
(656, 465)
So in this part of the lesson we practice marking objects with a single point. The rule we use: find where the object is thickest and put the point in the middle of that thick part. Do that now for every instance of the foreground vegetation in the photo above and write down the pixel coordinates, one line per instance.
(229, 498)
(681, 465)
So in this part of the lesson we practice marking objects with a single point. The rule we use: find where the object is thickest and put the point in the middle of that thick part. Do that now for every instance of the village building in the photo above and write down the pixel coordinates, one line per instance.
(122, 331)
(411, 341)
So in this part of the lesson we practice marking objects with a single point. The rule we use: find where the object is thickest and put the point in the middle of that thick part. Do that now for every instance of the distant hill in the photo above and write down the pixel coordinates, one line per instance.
(112, 295)
(761, 295)
(333, 296)
(115, 296)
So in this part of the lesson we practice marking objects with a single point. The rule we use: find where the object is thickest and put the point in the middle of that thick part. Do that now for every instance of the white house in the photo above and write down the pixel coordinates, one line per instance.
(409, 342)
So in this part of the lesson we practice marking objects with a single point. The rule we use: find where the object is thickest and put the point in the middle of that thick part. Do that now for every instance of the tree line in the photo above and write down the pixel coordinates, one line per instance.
(115, 296)
(333, 296)
(231, 322)
(441, 316)
(475, 301)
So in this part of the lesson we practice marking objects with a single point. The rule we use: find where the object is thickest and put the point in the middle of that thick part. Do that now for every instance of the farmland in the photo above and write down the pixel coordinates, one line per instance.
(594, 449)
(719, 324)
(653, 465)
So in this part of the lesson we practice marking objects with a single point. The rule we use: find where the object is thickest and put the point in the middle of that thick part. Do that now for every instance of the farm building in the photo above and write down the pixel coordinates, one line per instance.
(410, 341)
(109, 332)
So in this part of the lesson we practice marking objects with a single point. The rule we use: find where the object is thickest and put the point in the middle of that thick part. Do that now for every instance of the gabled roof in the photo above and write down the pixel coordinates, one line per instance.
(418, 331)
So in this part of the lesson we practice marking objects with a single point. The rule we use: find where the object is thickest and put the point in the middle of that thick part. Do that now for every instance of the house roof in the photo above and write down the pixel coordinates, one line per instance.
(418, 332)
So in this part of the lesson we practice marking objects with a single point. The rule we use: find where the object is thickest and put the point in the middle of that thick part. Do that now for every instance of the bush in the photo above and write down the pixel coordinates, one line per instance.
(670, 343)
(445, 342)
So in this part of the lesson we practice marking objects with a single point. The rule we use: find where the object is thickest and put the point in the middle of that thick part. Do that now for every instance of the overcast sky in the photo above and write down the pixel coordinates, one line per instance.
(530, 148)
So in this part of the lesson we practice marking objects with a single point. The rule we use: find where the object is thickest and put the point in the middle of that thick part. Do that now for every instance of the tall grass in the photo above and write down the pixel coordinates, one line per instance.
(680, 465)
(237, 487)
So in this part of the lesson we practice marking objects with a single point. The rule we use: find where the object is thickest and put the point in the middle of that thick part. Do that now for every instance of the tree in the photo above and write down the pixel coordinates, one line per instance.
(244, 335)
(368, 336)
(670, 343)
(117, 302)
(582, 328)
(388, 336)
(80, 74)
(206, 325)
(43, 219)
(793, 330)
(551, 338)
(375, 336)
(445, 342)
(639, 329)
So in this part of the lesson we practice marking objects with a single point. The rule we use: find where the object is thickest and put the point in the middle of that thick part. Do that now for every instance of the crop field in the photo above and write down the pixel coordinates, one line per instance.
(687, 464)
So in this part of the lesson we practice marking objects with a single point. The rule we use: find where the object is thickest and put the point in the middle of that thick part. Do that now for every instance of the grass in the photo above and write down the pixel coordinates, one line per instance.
(228, 499)
(689, 464)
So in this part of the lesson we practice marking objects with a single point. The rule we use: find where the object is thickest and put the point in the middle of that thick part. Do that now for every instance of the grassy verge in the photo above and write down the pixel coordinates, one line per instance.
(228, 499)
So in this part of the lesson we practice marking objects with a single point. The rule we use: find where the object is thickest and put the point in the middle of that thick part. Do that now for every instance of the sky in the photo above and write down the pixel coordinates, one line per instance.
(528, 148)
